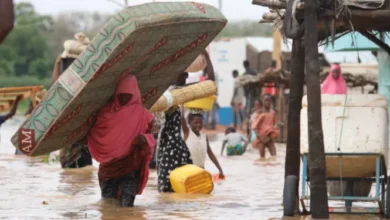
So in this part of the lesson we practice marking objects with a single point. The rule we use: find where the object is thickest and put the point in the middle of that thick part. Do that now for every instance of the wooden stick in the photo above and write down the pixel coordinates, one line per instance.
(275, 4)
(271, 16)
(318, 190)
(271, 4)
(376, 41)
(264, 21)
(292, 165)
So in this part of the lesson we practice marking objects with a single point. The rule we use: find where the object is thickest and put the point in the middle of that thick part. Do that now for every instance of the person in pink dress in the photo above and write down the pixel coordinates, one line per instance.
(334, 82)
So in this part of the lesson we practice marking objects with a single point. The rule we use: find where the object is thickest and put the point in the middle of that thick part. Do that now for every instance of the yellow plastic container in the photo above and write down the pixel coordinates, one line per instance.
(191, 179)
(205, 104)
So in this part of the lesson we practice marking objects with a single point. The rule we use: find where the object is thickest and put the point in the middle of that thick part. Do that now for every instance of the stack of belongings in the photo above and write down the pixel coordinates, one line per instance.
(73, 48)
(154, 47)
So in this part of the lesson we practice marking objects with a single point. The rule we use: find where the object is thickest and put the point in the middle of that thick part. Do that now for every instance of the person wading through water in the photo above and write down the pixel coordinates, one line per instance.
(77, 155)
(10, 114)
(121, 140)
(197, 142)
(266, 132)
(237, 100)
(172, 149)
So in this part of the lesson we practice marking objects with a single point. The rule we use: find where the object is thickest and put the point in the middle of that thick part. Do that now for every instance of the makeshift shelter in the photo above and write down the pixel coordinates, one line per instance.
(309, 23)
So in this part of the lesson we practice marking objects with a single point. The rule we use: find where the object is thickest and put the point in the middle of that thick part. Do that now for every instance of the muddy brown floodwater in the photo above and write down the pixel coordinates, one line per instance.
(30, 189)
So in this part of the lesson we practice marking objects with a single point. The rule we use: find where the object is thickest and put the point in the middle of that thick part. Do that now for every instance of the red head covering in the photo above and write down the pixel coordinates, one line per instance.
(334, 86)
(113, 137)
(117, 126)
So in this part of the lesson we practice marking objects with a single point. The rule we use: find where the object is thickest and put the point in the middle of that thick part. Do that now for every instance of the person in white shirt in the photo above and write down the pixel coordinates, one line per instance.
(236, 143)
(197, 142)
(237, 102)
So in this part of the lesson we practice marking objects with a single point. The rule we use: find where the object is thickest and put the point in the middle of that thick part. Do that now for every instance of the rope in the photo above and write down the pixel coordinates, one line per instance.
(339, 145)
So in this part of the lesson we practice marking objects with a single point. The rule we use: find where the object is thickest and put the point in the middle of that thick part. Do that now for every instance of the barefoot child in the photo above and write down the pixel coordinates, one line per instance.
(266, 132)
(197, 142)
(236, 143)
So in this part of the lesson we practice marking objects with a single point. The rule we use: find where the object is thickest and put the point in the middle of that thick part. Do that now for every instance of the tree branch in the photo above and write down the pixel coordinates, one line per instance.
(117, 3)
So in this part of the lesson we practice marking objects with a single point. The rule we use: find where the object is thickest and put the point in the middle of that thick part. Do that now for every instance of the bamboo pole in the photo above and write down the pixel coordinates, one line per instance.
(292, 165)
(318, 190)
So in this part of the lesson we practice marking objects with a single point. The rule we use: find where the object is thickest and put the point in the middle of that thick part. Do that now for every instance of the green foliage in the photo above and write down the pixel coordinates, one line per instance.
(9, 81)
(28, 53)
(26, 50)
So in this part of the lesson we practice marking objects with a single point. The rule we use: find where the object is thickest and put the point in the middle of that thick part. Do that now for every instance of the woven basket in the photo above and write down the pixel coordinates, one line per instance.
(186, 94)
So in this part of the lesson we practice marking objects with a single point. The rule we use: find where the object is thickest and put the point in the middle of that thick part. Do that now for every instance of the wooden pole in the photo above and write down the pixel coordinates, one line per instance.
(276, 55)
(292, 165)
(318, 191)
(277, 48)
(7, 18)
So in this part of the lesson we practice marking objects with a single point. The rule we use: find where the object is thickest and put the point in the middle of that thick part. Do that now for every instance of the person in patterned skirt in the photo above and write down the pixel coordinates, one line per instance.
(172, 149)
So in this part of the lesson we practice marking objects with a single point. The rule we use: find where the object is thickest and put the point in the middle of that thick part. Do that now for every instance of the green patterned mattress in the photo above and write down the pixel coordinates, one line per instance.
(155, 42)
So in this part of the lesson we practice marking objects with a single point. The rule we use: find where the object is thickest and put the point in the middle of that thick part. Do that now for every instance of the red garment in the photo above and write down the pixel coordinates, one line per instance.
(270, 88)
(113, 139)
(202, 78)
(334, 86)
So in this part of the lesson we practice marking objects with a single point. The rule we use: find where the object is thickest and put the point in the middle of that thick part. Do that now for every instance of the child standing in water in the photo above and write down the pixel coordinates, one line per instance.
(266, 132)
(197, 142)
(236, 143)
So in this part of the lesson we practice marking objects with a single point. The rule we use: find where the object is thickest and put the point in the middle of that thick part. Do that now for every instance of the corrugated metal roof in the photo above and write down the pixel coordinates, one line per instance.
(354, 41)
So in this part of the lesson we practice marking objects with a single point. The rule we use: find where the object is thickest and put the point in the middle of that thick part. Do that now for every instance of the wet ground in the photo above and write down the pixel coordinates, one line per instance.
(30, 189)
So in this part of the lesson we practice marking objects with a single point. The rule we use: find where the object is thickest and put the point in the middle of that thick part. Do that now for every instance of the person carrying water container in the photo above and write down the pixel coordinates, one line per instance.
(236, 143)
(266, 132)
(196, 141)
(121, 140)
(172, 151)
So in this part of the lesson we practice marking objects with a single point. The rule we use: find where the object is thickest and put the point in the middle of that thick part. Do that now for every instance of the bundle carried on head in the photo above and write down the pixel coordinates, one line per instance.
(73, 48)
(196, 111)
(183, 95)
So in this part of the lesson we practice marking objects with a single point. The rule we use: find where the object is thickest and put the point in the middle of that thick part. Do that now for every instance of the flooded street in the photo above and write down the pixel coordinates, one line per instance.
(31, 189)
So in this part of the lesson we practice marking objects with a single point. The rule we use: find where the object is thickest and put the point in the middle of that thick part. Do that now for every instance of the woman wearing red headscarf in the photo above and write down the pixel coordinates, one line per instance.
(122, 141)
(334, 82)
